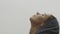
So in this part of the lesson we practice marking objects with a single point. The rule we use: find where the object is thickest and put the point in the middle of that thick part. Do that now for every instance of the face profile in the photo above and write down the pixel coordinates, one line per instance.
(38, 18)
(43, 20)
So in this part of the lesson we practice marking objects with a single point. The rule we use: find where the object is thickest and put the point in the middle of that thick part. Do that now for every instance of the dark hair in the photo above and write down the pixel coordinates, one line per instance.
(50, 18)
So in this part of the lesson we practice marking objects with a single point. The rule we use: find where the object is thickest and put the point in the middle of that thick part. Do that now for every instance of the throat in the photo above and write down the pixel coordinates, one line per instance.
(37, 25)
(34, 29)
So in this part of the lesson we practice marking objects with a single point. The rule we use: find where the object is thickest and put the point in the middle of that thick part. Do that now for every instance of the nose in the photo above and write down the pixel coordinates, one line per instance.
(37, 13)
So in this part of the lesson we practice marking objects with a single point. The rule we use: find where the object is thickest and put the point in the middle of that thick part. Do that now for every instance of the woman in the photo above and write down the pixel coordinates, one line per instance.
(44, 24)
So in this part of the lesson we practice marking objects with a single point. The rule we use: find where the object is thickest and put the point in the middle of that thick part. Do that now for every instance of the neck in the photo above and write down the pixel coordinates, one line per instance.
(37, 25)
(33, 29)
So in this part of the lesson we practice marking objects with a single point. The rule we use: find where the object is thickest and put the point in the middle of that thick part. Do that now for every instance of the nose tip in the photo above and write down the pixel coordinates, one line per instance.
(37, 13)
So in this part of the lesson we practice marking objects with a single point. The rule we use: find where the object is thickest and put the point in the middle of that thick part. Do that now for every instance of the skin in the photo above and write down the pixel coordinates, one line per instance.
(37, 21)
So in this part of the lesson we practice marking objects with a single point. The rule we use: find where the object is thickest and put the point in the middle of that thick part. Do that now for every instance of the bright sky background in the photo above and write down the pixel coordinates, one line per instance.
(14, 14)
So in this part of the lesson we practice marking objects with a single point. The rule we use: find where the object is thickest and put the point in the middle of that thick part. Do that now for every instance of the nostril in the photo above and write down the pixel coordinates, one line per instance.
(42, 14)
(38, 13)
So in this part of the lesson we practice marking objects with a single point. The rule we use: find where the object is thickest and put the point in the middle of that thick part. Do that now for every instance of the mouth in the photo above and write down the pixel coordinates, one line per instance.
(32, 21)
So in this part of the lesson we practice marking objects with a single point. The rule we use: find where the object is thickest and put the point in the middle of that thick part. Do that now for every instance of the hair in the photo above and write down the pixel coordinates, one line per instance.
(50, 18)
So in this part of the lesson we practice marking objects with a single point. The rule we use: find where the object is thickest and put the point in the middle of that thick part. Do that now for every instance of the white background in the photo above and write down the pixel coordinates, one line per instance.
(14, 14)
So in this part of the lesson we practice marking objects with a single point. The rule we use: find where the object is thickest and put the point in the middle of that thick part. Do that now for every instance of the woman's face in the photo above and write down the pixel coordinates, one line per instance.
(38, 18)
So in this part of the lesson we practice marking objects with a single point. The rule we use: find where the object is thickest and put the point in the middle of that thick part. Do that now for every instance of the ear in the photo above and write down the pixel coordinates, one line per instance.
(46, 16)
(38, 13)
(51, 16)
